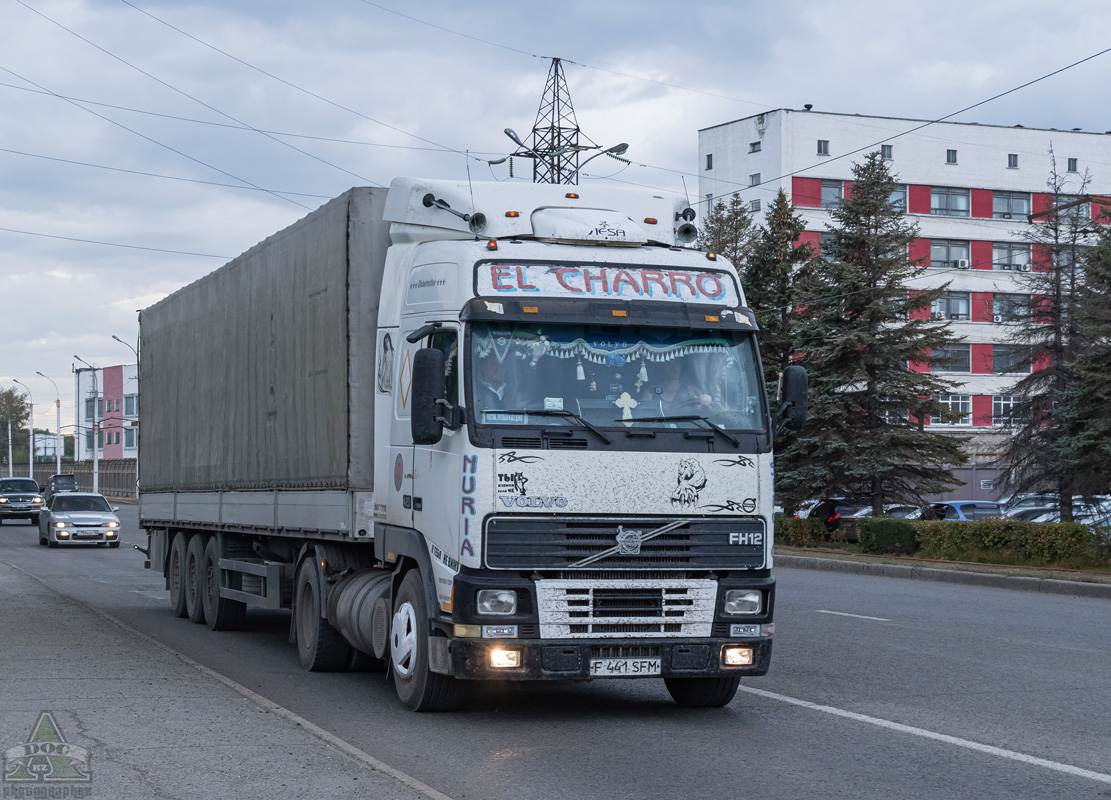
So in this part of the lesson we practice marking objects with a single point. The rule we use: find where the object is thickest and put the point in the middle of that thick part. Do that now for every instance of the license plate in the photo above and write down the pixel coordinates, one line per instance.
(624, 667)
(87, 534)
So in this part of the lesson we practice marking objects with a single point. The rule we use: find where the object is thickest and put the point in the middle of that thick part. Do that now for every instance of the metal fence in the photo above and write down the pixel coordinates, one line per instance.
(115, 478)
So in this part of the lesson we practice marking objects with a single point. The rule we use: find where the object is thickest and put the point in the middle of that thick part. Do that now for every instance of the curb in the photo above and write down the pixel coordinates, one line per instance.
(1100, 591)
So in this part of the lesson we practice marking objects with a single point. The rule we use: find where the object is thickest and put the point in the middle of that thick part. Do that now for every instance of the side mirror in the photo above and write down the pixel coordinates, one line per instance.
(792, 396)
(429, 390)
(115, 509)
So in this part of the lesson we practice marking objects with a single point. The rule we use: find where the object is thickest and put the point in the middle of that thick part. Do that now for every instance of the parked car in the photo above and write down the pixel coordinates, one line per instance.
(58, 483)
(894, 511)
(1021, 501)
(79, 518)
(964, 510)
(833, 509)
(1030, 513)
(19, 499)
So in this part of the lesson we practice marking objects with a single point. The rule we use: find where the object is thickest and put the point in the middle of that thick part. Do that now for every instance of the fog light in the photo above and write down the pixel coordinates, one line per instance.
(502, 659)
(497, 601)
(111, 534)
(742, 601)
(62, 534)
(733, 656)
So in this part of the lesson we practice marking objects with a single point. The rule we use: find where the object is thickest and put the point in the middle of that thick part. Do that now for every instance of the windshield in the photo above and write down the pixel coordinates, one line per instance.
(18, 485)
(79, 503)
(628, 377)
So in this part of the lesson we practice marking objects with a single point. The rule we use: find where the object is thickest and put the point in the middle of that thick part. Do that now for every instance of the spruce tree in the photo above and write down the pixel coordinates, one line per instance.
(864, 436)
(1047, 426)
(728, 231)
(1091, 445)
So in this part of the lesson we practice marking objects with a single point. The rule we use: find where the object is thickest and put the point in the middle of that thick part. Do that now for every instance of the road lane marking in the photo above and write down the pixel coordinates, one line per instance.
(854, 616)
(944, 738)
(344, 746)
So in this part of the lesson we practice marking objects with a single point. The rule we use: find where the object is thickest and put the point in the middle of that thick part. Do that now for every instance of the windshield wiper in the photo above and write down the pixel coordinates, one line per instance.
(691, 418)
(551, 412)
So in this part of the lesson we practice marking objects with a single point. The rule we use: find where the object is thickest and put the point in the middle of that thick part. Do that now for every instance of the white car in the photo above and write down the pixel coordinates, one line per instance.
(79, 518)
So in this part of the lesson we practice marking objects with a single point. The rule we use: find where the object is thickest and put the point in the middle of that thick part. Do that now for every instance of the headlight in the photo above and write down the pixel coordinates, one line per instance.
(37, 500)
(3, 500)
(59, 524)
(742, 601)
(112, 524)
(497, 601)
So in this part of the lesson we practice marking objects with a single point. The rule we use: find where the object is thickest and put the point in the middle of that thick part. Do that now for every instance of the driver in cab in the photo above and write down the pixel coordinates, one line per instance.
(674, 394)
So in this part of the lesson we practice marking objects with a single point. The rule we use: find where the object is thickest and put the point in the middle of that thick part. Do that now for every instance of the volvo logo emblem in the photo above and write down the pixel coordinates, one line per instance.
(628, 542)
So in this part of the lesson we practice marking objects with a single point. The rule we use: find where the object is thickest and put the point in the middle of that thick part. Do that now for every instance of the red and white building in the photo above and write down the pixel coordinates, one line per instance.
(969, 188)
(111, 399)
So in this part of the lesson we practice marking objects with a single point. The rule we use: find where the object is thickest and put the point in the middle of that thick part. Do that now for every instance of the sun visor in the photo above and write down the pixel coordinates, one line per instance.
(586, 225)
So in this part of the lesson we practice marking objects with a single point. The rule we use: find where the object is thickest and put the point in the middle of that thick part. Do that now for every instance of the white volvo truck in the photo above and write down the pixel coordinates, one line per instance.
(498, 431)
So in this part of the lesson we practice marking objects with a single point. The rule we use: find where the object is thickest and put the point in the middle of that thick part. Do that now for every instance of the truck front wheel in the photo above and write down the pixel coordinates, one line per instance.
(417, 686)
(703, 692)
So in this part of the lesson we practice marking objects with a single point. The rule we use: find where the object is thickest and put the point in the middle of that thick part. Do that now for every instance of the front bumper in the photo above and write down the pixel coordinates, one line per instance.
(571, 659)
(22, 512)
(79, 536)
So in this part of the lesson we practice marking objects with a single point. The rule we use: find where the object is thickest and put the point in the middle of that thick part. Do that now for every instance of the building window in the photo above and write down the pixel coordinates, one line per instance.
(1014, 256)
(958, 404)
(100, 404)
(130, 404)
(1004, 407)
(824, 246)
(1007, 358)
(887, 151)
(831, 194)
(949, 254)
(952, 305)
(89, 410)
(955, 358)
(823, 147)
(1073, 166)
(754, 205)
(709, 161)
(1078, 213)
(1010, 205)
(117, 441)
(1008, 307)
(754, 179)
(754, 147)
(950, 156)
(945, 202)
(129, 437)
(1012, 160)
(117, 408)
(898, 198)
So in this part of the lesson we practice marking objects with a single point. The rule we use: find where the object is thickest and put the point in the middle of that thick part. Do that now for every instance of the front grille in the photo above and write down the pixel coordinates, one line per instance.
(526, 542)
(625, 651)
(640, 608)
(567, 444)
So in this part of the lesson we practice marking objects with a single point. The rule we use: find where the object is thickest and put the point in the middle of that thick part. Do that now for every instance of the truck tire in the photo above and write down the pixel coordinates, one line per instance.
(417, 686)
(194, 578)
(220, 613)
(319, 645)
(175, 575)
(703, 692)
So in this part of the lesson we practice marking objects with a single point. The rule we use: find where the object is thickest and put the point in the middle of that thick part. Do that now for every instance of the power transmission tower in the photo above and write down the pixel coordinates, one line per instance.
(555, 134)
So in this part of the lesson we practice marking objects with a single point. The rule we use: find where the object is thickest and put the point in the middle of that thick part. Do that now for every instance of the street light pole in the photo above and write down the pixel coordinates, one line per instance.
(138, 397)
(30, 430)
(9, 448)
(59, 442)
(96, 428)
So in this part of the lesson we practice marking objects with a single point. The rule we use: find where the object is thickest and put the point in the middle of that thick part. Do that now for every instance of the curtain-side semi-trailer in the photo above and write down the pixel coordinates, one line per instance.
(475, 432)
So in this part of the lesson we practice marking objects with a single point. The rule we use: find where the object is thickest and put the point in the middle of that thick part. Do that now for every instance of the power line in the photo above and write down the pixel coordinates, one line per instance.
(114, 244)
(157, 175)
(154, 141)
(183, 93)
(295, 86)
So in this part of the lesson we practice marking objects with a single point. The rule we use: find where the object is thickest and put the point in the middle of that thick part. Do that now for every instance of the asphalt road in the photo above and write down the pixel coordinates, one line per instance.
(879, 688)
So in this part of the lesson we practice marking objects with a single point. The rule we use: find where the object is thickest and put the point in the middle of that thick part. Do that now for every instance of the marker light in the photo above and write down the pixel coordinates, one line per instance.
(650, 220)
(619, 312)
(513, 213)
(712, 256)
(468, 631)
(530, 309)
(492, 244)
(505, 659)
(710, 318)
(734, 656)
(572, 196)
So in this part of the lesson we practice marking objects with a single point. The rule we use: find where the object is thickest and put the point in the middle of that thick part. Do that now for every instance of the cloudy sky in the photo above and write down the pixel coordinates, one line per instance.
(202, 127)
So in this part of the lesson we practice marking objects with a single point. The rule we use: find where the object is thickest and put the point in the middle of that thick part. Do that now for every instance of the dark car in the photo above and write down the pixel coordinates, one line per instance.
(832, 510)
(58, 483)
(20, 499)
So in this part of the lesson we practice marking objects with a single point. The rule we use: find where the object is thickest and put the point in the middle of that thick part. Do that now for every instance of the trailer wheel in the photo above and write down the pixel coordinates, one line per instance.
(703, 692)
(417, 686)
(176, 569)
(320, 646)
(194, 578)
(221, 613)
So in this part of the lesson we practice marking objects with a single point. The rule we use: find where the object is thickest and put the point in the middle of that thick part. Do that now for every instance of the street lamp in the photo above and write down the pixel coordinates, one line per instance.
(30, 430)
(96, 427)
(138, 394)
(616, 151)
(59, 442)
